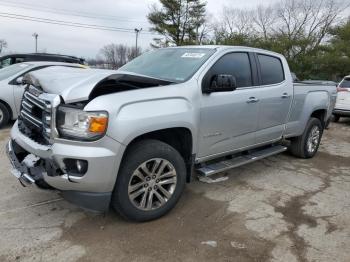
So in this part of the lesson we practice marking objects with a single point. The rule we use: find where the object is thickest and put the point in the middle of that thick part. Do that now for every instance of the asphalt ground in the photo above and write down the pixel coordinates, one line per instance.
(278, 209)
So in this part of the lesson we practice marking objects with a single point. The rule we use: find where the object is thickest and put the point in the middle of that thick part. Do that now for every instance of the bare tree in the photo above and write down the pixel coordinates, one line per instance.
(309, 20)
(264, 19)
(133, 53)
(115, 55)
(97, 62)
(237, 21)
(297, 26)
(3, 44)
(233, 22)
(204, 30)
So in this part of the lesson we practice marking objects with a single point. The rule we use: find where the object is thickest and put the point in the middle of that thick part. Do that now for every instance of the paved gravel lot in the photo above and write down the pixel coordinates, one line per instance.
(278, 209)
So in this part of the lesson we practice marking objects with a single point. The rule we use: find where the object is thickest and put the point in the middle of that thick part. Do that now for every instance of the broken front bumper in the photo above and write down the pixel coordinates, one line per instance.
(33, 163)
(22, 171)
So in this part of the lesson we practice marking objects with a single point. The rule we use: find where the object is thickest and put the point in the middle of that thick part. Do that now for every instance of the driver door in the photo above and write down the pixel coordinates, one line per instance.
(228, 120)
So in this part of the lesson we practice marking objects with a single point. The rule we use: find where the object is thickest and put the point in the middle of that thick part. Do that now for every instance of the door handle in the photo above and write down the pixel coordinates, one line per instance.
(285, 95)
(252, 100)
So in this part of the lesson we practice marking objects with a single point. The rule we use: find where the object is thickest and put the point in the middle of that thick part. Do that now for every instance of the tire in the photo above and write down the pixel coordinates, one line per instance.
(133, 179)
(336, 118)
(4, 115)
(328, 123)
(300, 145)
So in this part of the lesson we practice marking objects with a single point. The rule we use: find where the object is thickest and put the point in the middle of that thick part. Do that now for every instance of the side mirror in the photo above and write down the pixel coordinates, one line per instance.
(19, 80)
(222, 83)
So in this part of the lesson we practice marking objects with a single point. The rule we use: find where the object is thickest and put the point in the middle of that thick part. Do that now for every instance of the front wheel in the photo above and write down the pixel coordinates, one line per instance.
(150, 182)
(306, 145)
(4, 115)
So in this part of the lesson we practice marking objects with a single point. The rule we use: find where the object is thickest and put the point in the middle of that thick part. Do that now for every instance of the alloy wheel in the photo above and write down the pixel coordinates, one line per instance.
(152, 184)
(313, 139)
(1, 116)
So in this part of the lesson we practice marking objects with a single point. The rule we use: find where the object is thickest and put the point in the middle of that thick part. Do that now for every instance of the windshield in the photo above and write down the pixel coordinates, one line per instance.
(12, 70)
(172, 64)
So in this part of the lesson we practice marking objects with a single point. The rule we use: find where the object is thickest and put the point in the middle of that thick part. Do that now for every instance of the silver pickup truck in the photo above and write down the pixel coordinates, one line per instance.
(132, 138)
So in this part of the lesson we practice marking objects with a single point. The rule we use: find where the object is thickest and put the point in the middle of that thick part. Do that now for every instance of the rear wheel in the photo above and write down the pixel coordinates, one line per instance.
(306, 145)
(150, 182)
(336, 118)
(4, 115)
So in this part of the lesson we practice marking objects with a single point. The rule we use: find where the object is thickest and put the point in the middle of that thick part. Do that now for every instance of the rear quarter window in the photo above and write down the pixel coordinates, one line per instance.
(271, 69)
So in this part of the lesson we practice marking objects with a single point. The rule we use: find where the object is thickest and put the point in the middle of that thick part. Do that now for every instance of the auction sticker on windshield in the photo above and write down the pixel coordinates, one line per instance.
(193, 55)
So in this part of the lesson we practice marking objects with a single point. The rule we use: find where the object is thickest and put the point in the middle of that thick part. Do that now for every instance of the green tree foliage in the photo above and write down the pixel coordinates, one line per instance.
(333, 59)
(306, 32)
(179, 21)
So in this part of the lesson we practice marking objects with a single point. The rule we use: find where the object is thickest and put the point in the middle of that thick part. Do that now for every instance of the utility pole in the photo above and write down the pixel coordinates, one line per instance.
(35, 35)
(137, 31)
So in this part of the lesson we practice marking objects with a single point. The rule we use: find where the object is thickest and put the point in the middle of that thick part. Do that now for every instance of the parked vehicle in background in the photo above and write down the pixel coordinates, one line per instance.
(11, 59)
(131, 138)
(342, 107)
(12, 88)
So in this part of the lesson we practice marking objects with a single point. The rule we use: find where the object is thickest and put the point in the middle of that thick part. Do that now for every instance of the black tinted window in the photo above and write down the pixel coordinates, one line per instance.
(236, 64)
(271, 70)
(19, 60)
(345, 83)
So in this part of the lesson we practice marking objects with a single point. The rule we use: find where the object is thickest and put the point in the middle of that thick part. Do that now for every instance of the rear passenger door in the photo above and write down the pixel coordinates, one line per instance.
(275, 98)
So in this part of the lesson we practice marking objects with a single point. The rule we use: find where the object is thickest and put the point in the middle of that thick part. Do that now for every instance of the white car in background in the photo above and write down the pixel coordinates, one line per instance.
(342, 107)
(12, 88)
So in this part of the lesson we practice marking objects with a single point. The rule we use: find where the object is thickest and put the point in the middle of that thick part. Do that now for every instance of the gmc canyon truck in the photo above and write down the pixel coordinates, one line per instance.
(131, 139)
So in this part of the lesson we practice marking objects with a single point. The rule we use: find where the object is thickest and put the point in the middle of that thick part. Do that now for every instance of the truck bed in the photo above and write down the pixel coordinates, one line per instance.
(307, 97)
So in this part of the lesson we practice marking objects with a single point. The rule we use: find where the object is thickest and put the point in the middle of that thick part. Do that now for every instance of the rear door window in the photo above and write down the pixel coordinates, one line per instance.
(271, 69)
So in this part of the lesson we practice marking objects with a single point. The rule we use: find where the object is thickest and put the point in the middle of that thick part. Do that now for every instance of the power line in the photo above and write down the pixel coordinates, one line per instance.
(66, 22)
(41, 8)
(63, 24)
(70, 24)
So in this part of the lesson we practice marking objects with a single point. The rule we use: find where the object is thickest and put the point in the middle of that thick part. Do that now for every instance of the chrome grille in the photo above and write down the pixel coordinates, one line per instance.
(37, 116)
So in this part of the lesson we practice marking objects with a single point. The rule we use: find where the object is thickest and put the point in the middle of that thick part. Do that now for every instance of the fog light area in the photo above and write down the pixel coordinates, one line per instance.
(76, 167)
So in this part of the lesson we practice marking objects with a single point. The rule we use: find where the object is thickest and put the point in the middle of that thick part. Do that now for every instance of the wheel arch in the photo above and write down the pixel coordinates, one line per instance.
(8, 107)
(320, 114)
(180, 138)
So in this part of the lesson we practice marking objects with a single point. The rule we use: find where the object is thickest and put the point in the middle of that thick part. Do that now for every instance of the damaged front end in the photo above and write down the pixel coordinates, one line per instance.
(122, 82)
(47, 148)
(28, 168)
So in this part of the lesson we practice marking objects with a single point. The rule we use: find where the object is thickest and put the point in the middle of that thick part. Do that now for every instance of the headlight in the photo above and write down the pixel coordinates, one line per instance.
(77, 124)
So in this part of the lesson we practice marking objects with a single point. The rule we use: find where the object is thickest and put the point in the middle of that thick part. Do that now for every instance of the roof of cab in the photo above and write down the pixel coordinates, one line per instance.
(226, 47)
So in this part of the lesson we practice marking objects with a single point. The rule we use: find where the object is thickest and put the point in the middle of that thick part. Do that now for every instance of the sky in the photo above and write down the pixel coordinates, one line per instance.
(85, 42)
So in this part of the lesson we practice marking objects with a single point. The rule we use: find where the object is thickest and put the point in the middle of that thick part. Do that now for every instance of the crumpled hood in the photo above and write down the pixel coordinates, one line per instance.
(72, 84)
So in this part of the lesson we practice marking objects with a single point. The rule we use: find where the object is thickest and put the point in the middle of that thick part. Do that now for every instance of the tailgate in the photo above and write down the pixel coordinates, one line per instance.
(343, 99)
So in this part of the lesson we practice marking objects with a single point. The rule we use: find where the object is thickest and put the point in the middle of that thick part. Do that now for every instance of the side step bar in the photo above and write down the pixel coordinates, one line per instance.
(225, 165)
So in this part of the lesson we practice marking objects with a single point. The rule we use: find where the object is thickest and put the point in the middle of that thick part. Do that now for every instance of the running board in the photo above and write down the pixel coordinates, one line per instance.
(224, 165)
